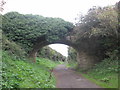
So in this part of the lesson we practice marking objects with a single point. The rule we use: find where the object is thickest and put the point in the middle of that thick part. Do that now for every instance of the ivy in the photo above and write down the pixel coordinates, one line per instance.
(26, 29)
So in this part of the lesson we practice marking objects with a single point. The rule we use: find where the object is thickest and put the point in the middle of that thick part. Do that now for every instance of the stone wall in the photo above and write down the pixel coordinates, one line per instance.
(88, 51)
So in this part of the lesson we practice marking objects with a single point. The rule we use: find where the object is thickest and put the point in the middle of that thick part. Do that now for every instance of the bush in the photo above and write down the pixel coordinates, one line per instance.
(21, 74)
(13, 49)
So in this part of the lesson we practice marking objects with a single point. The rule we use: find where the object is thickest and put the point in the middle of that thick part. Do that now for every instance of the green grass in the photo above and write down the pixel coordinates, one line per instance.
(23, 74)
(104, 74)
(105, 82)
(72, 64)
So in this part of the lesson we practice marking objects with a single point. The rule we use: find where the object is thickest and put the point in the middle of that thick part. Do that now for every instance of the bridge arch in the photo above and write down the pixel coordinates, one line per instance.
(36, 31)
(86, 50)
(42, 42)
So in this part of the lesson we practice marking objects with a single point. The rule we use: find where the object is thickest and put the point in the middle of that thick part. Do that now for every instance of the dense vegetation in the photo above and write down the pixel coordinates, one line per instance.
(104, 74)
(47, 52)
(72, 54)
(20, 32)
(12, 48)
(72, 58)
(102, 22)
(27, 29)
(21, 72)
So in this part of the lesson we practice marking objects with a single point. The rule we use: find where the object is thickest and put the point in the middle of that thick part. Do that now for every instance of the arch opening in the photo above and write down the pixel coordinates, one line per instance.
(60, 53)
(86, 57)
(55, 52)
(61, 48)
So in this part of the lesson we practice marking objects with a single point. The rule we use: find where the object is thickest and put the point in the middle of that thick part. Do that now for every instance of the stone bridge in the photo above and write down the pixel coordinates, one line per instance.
(88, 49)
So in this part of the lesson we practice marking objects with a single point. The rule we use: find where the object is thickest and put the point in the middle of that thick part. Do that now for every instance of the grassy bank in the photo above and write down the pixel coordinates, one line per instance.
(104, 74)
(23, 74)
(71, 64)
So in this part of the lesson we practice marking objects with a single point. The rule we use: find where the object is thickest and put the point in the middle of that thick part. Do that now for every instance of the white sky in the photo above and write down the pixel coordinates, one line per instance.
(66, 9)
(63, 49)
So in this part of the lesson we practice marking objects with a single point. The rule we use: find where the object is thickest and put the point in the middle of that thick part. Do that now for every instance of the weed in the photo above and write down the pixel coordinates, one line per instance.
(23, 74)
(104, 73)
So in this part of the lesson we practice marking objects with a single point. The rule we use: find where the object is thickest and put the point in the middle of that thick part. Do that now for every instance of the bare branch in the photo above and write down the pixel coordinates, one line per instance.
(2, 3)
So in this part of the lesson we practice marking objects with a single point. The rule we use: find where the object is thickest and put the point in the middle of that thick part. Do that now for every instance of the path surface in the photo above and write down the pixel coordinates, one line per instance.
(67, 78)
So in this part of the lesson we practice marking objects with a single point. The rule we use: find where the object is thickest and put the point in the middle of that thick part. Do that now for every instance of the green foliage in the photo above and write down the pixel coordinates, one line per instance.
(47, 63)
(104, 74)
(21, 74)
(47, 52)
(111, 47)
(99, 21)
(105, 79)
(13, 49)
(108, 66)
(72, 58)
(72, 55)
(26, 29)
(72, 64)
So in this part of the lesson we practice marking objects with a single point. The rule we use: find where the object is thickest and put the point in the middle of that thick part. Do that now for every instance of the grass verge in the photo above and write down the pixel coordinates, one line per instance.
(104, 74)
(23, 74)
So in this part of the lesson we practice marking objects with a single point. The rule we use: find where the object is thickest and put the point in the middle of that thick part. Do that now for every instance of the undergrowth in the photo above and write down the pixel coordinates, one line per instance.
(105, 74)
(18, 73)
(72, 64)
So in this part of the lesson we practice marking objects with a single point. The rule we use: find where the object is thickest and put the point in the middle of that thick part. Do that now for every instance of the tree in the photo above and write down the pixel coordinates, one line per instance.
(72, 54)
(99, 21)
(47, 52)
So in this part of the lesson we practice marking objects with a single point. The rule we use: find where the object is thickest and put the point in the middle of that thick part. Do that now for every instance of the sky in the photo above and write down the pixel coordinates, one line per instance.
(65, 9)
(63, 49)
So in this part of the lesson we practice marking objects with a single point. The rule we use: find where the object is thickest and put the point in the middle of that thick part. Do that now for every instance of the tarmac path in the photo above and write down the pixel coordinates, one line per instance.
(68, 78)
